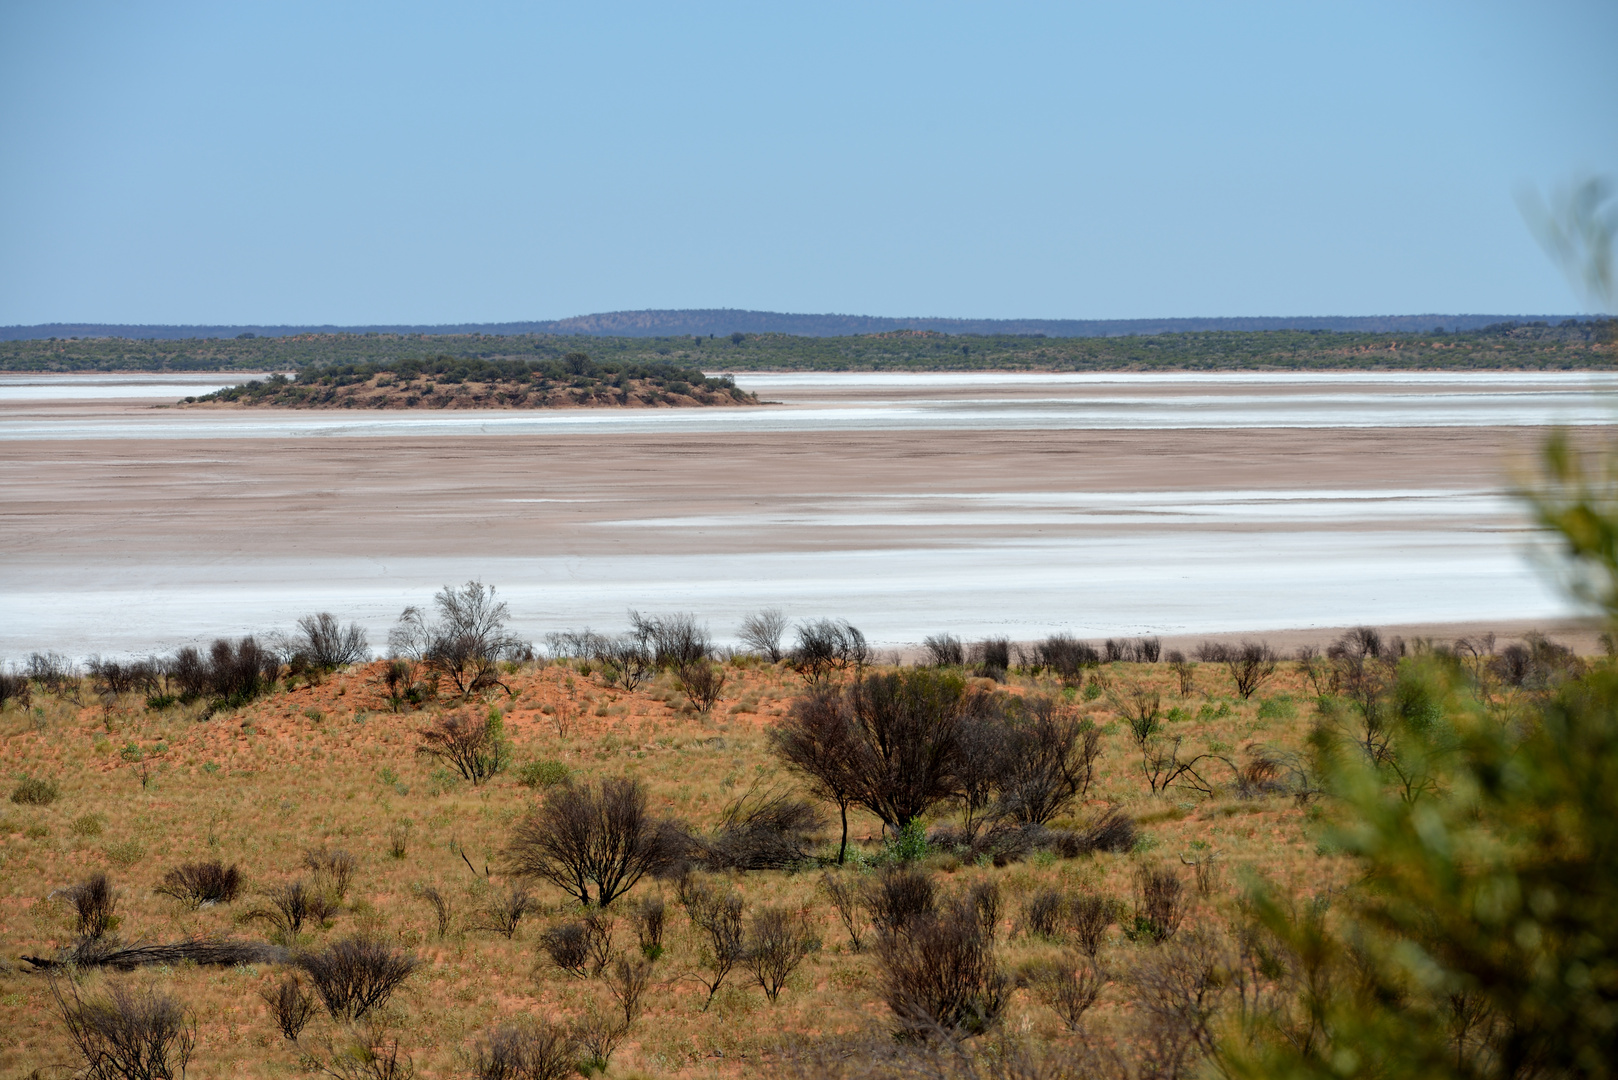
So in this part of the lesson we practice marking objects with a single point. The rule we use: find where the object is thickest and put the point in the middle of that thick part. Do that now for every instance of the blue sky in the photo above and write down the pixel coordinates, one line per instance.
(398, 162)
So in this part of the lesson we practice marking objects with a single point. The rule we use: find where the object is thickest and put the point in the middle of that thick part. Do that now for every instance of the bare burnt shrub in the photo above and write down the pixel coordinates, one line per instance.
(981, 760)
(991, 658)
(1536, 664)
(1146, 650)
(763, 831)
(1066, 657)
(717, 916)
(1066, 984)
(627, 978)
(535, 1051)
(777, 943)
(905, 741)
(334, 869)
(108, 952)
(1185, 671)
(15, 689)
(1212, 652)
(649, 917)
(238, 672)
(1160, 905)
(983, 898)
(1178, 991)
(112, 678)
(701, 681)
(506, 910)
(1047, 762)
(291, 1005)
(474, 744)
(291, 904)
(941, 975)
(598, 929)
(944, 650)
(762, 632)
(357, 974)
(624, 660)
(208, 882)
(55, 672)
(1140, 706)
(326, 645)
(443, 912)
(466, 643)
(1112, 831)
(898, 896)
(1250, 666)
(826, 647)
(127, 1035)
(567, 947)
(672, 641)
(604, 836)
(35, 791)
(95, 903)
(364, 1052)
(845, 900)
(1088, 917)
(598, 1037)
(1045, 913)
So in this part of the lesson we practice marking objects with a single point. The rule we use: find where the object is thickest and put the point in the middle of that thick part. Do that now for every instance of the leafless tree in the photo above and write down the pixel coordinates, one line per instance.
(357, 974)
(777, 942)
(535, 1051)
(505, 910)
(941, 974)
(1185, 671)
(627, 979)
(718, 917)
(762, 632)
(1250, 666)
(208, 882)
(291, 1005)
(467, 642)
(1140, 706)
(944, 650)
(827, 646)
(1159, 904)
(327, 645)
(672, 641)
(581, 836)
(1048, 761)
(817, 740)
(95, 902)
(701, 681)
(845, 900)
(127, 1035)
(473, 744)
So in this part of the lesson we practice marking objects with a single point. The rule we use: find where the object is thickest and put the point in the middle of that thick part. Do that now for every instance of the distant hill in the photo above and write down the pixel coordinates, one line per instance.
(724, 321)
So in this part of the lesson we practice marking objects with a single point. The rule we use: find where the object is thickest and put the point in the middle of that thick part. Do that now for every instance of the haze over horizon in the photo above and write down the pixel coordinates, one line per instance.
(368, 164)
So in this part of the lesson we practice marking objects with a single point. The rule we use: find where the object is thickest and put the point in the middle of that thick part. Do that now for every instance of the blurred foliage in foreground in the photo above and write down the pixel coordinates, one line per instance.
(1570, 345)
(1480, 940)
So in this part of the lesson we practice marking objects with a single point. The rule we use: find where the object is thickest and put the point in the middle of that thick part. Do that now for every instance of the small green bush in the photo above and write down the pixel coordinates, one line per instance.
(1277, 708)
(87, 825)
(158, 702)
(33, 791)
(542, 774)
(125, 854)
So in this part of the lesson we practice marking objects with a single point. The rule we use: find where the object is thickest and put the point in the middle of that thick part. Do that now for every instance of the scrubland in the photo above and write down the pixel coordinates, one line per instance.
(135, 785)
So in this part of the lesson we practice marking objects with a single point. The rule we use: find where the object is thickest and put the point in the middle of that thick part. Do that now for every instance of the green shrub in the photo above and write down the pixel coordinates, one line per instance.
(87, 825)
(1277, 708)
(910, 845)
(126, 854)
(161, 701)
(542, 774)
(34, 791)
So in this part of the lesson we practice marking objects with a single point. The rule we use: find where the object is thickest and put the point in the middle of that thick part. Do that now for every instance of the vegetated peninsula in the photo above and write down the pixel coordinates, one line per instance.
(449, 382)
(1534, 346)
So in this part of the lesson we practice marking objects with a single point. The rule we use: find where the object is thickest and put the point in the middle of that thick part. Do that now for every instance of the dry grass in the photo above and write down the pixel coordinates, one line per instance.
(330, 767)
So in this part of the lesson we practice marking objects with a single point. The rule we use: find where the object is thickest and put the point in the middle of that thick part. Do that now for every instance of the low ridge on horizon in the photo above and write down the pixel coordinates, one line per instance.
(723, 321)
